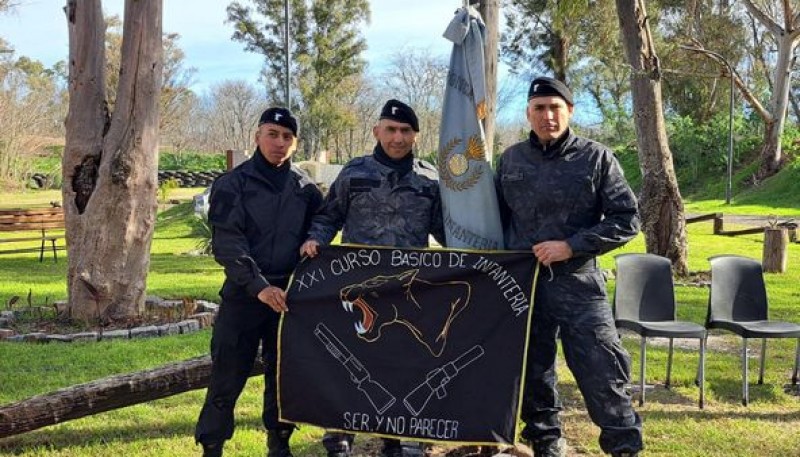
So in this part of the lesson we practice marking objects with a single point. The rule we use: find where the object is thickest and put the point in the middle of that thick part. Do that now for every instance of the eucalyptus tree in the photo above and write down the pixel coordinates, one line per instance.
(773, 32)
(660, 202)
(110, 160)
(697, 86)
(782, 22)
(325, 48)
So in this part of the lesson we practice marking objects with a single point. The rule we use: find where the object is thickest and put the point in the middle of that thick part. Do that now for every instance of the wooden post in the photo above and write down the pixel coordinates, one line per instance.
(718, 224)
(490, 11)
(776, 241)
(234, 157)
(229, 160)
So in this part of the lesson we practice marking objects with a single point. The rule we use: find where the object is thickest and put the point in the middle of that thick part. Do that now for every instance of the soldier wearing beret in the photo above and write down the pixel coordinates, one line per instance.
(259, 213)
(565, 197)
(385, 199)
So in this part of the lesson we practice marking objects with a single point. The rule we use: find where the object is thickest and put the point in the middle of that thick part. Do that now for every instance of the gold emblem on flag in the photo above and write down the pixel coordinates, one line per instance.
(455, 170)
(458, 164)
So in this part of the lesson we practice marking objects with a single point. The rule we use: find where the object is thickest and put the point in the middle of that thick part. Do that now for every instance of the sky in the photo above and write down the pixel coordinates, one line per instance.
(38, 29)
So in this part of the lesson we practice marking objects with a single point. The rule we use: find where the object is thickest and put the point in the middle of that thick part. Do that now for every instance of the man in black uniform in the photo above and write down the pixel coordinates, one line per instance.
(385, 199)
(259, 214)
(565, 197)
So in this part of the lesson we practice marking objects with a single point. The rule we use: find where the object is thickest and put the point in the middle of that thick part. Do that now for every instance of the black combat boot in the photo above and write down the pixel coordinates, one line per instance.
(278, 443)
(338, 444)
(413, 449)
(625, 454)
(212, 450)
(548, 448)
(391, 448)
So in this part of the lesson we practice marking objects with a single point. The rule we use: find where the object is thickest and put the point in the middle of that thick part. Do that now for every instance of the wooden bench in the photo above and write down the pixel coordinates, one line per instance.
(30, 220)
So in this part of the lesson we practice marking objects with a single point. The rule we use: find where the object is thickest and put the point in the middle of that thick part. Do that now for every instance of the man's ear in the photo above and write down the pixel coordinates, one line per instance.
(375, 130)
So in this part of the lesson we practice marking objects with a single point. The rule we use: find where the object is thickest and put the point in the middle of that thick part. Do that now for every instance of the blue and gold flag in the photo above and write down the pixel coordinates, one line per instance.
(471, 212)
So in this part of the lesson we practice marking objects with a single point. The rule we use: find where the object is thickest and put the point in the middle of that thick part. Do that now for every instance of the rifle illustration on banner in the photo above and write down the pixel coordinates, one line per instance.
(437, 380)
(378, 396)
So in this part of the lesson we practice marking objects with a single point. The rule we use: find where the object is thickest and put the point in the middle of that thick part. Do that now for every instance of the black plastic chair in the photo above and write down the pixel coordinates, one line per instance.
(738, 303)
(644, 302)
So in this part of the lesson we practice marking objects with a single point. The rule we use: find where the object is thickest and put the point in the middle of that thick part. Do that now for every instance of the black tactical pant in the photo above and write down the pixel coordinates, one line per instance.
(575, 305)
(238, 331)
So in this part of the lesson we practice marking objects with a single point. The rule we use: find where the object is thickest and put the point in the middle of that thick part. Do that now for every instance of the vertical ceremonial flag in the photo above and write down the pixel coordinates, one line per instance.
(471, 212)
(419, 344)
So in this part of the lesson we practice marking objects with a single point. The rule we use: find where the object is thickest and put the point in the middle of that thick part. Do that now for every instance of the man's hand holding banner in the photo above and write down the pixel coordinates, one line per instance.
(419, 344)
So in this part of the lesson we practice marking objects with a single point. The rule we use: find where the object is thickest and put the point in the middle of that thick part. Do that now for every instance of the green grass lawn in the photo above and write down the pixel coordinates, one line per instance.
(673, 424)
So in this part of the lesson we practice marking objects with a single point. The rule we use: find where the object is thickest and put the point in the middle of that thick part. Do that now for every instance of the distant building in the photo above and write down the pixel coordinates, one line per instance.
(323, 174)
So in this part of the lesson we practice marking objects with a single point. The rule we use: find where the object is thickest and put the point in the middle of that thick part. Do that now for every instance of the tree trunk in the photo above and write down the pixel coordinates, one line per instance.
(771, 153)
(107, 394)
(660, 200)
(786, 32)
(110, 162)
(490, 11)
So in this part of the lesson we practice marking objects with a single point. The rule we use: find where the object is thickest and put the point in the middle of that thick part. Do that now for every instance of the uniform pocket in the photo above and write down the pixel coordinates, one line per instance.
(517, 192)
(363, 184)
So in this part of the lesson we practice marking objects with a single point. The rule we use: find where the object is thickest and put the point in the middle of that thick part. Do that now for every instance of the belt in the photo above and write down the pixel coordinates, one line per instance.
(278, 280)
(576, 265)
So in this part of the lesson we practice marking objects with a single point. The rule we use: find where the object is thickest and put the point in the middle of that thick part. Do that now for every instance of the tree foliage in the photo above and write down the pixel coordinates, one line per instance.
(32, 109)
(418, 78)
(696, 85)
(230, 112)
(325, 50)
(176, 96)
(539, 35)
(576, 41)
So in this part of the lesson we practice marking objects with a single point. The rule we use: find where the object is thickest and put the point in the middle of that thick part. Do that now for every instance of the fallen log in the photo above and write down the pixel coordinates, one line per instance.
(107, 394)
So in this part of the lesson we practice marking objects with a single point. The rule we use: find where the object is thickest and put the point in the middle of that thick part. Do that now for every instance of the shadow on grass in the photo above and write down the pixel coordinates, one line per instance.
(572, 399)
(46, 272)
(61, 438)
(730, 390)
(64, 437)
(171, 263)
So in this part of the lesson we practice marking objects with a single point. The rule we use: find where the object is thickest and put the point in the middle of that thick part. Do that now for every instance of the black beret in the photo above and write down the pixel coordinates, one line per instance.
(545, 87)
(400, 112)
(279, 116)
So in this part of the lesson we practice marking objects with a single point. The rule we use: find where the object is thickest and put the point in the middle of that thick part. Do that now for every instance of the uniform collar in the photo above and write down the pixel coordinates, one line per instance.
(401, 166)
(259, 168)
(554, 149)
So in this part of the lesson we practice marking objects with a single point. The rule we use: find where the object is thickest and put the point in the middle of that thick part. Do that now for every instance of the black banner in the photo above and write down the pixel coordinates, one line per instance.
(423, 344)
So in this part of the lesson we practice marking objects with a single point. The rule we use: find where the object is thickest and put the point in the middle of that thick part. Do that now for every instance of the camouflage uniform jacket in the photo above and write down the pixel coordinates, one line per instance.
(574, 190)
(378, 207)
(257, 227)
